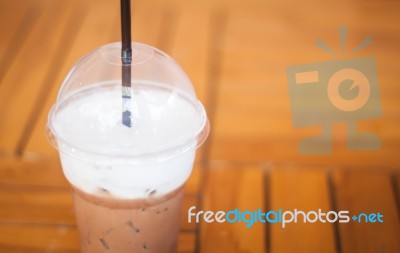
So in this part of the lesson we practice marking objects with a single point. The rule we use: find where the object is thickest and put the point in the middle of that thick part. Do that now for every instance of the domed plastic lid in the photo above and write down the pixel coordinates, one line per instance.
(166, 116)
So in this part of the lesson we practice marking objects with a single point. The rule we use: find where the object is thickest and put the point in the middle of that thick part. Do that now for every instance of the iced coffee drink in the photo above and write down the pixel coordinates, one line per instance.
(112, 225)
(127, 181)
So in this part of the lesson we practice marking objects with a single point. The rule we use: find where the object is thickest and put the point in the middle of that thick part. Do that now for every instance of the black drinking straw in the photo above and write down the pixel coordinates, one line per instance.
(126, 57)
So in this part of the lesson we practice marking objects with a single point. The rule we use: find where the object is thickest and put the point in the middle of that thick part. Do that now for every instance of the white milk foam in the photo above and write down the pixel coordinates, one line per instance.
(99, 154)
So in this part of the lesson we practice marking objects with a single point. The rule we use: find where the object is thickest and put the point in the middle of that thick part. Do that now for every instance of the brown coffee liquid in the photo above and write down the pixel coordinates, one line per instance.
(113, 225)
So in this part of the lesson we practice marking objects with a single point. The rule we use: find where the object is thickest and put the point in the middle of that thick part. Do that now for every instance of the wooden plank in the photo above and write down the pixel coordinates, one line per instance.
(367, 192)
(147, 23)
(187, 242)
(15, 23)
(25, 238)
(227, 189)
(34, 191)
(45, 172)
(191, 50)
(245, 94)
(21, 86)
(36, 205)
(303, 189)
(397, 189)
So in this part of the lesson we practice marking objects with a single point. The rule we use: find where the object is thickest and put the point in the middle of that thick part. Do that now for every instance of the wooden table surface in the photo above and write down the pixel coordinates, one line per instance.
(236, 53)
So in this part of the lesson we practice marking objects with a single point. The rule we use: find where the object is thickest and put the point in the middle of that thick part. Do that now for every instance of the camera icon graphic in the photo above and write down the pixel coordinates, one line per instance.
(325, 93)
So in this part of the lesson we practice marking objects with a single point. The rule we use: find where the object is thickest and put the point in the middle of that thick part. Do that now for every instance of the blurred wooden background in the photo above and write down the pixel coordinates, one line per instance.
(236, 54)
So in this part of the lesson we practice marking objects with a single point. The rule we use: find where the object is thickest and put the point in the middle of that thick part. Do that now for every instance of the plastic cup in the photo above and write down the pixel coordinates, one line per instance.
(127, 182)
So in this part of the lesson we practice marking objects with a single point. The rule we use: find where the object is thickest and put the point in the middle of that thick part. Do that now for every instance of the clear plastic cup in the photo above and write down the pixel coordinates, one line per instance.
(127, 181)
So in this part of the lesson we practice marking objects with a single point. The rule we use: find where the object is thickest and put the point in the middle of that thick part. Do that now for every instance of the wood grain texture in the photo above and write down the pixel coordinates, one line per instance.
(24, 238)
(36, 205)
(227, 189)
(24, 80)
(30, 238)
(15, 24)
(396, 187)
(191, 51)
(367, 192)
(304, 189)
(43, 172)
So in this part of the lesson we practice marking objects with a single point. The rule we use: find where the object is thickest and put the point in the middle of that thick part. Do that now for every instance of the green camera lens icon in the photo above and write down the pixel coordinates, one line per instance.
(325, 93)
